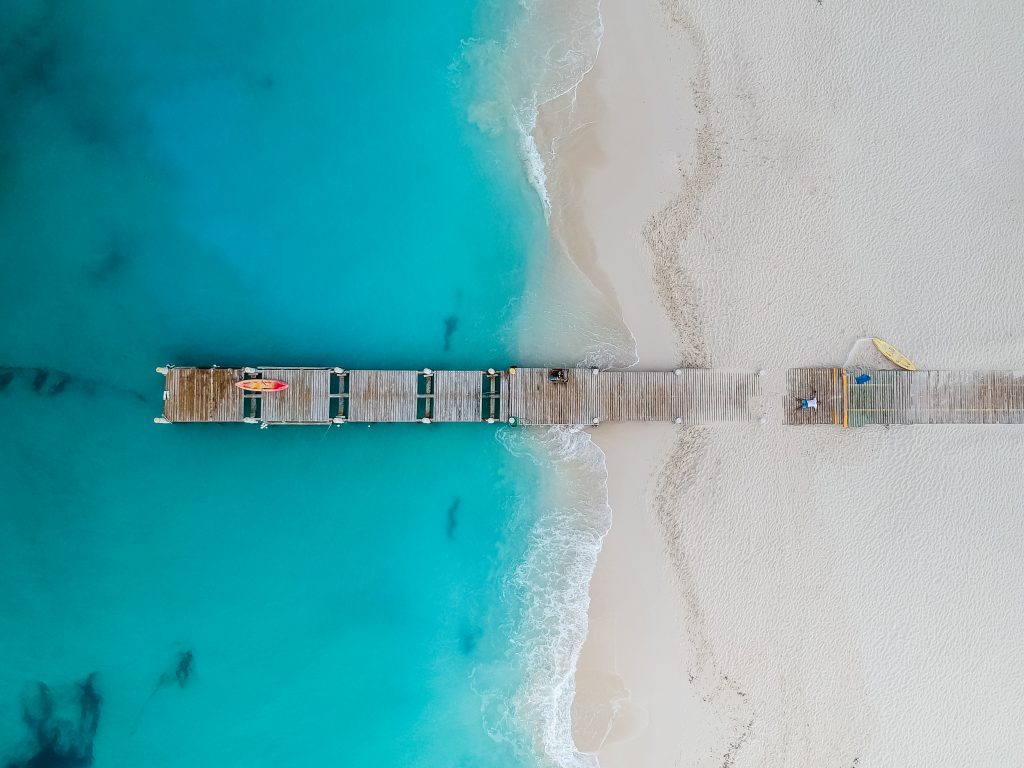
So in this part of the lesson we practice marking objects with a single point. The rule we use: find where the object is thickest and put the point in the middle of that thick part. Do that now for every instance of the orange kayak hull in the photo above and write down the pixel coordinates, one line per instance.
(261, 385)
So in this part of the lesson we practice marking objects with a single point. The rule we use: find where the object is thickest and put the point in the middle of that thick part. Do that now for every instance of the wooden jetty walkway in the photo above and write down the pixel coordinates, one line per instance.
(571, 396)
(859, 397)
(589, 396)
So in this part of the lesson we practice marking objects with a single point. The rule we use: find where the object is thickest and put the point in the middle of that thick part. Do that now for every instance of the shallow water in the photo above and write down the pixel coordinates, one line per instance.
(254, 185)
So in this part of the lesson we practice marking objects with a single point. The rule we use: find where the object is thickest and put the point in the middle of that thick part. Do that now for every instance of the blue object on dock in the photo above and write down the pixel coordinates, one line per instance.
(863, 379)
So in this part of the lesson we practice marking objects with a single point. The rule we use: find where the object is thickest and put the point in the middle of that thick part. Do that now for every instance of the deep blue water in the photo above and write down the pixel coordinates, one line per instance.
(252, 183)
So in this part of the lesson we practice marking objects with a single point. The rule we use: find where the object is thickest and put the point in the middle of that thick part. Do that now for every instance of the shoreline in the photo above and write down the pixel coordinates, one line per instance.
(616, 146)
(623, 138)
(765, 597)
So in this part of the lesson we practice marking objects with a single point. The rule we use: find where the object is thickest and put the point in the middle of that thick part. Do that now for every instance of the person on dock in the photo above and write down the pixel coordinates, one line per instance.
(808, 403)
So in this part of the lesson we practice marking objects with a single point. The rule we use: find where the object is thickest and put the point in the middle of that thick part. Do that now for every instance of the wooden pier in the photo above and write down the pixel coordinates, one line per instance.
(859, 397)
(590, 396)
(570, 396)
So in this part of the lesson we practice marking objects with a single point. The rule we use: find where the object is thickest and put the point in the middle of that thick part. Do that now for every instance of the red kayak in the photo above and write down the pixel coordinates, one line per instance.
(261, 385)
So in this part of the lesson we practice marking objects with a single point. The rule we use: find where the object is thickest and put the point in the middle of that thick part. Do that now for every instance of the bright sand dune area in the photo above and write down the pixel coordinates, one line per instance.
(759, 185)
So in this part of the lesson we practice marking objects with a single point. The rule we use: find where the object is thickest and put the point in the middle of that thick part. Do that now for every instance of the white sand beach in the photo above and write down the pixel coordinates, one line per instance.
(757, 187)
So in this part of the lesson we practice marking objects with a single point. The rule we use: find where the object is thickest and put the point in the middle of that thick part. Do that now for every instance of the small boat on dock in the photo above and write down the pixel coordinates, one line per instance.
(261, 385)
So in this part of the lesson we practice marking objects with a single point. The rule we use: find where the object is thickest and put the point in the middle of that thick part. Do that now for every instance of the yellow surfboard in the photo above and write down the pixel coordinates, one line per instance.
(894, 354)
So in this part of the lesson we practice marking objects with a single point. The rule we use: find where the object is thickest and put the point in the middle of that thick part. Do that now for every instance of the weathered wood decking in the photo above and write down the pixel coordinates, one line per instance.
(458, 396)
(571, 396)
(308, 400)
(375, 396)
(827, 385)
(905, 397)
(203, 394)
(591, 396)
(588, 396)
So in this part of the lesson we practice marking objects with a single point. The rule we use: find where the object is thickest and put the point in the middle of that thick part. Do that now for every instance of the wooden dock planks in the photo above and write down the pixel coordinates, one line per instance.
(709, 396)
(531, 398)
(306, 401)
(203, 394)
(458, 395)
(640, 396)
(911, 397)
(691, 396)
(580, 396)
(824, 384)
(584, 396)
(382, 396)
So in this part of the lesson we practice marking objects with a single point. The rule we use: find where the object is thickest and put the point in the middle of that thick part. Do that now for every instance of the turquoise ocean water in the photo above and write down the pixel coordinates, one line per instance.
(255, 183)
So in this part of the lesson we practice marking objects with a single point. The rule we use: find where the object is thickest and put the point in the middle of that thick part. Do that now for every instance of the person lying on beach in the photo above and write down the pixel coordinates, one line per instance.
(808, 403)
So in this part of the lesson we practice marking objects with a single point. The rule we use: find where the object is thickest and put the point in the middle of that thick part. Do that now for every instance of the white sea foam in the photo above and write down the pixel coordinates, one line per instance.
(551, 586)
(540, 55)
(545, 53)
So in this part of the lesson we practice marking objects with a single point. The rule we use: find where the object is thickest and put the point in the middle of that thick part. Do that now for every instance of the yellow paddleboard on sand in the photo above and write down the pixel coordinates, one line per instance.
(894, 354)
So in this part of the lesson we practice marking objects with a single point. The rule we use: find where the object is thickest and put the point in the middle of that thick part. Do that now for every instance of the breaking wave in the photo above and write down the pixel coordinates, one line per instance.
(550, 590)
(544, 51)
(540, 51)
